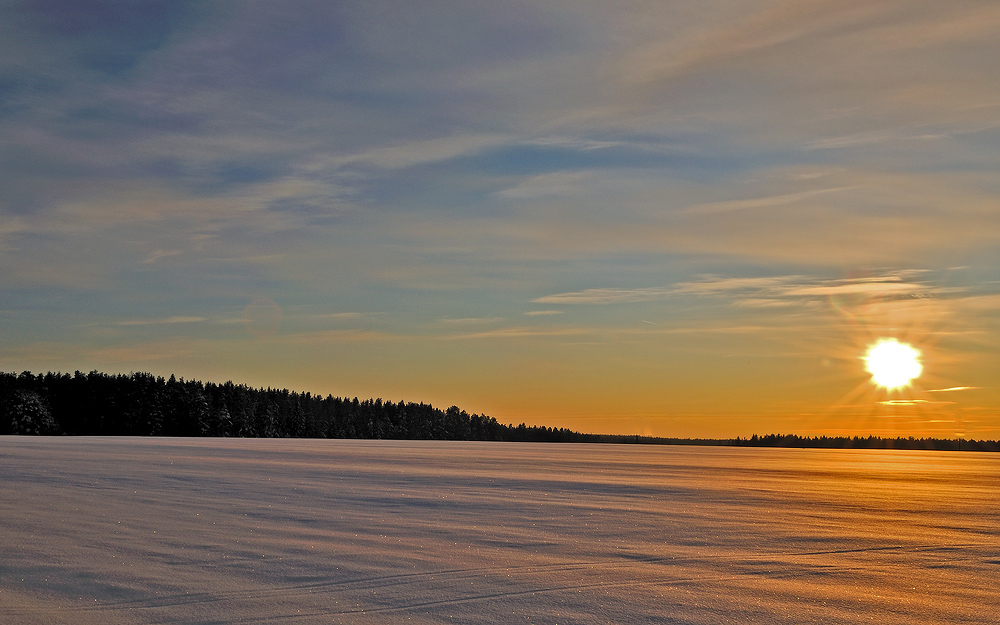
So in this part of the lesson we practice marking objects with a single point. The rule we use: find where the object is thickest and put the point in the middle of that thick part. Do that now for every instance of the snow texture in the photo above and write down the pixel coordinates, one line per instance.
(130, 530)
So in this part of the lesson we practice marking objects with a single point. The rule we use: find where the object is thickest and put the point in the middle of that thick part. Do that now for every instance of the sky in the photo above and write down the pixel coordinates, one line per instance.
(639, 217)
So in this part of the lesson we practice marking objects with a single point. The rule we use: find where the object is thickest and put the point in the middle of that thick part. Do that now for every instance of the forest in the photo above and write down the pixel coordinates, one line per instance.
(141, 404)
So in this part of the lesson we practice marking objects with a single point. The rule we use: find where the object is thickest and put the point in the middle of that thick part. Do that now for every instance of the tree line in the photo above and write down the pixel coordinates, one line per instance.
(141, 404)
(865, 442)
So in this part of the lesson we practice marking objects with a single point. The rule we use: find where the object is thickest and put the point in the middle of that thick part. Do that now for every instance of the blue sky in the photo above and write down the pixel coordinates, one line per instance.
(656, 217)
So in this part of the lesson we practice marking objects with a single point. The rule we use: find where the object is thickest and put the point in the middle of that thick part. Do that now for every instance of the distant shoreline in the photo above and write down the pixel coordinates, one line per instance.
(140, 404)
(794, 441)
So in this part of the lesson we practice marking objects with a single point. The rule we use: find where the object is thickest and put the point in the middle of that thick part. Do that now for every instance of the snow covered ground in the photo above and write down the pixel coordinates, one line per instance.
(127, 530)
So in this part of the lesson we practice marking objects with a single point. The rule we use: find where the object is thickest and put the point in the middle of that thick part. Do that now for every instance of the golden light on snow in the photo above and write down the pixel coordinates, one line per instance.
(893, 364)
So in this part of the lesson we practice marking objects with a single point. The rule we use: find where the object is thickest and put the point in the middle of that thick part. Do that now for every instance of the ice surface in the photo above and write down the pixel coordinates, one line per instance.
(127, 530)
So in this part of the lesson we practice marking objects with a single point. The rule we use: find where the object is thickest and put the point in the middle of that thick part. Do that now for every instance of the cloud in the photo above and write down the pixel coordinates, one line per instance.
(311, 339)
(798, 289)
(163, 321)
(144, 352)
(749, 33)
(341, 315)
(156, 255)
(764, 202)
(606, 296)
(873, 138)
(619, 334)
(576, 143)
(555, 185)
(421, 152)
(539, 313)
(769, 291)
(761, 302)
(528, 332)
(978, 303)
(888, 288)
(715, 284)
(785, 30)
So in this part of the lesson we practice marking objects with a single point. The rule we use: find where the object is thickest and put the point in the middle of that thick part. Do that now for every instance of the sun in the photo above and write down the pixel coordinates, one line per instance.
(893, 364)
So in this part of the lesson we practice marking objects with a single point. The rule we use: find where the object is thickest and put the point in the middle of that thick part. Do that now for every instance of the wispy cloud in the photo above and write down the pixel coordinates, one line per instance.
(422, 152)
(528, 332)
(342, 316)
(165, 320)
(884, 288)
(578, 143)
(557, 185)
(873, 138)
(791, 289)
(716, 284)
(470, 320)
(908, 402)
(607, 296)
(762, 202)
(761, 302)
(320, 337)
(768, 291)
(156, 255)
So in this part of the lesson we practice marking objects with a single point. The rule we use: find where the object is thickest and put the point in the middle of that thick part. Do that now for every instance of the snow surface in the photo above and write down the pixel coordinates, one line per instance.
(129, 530)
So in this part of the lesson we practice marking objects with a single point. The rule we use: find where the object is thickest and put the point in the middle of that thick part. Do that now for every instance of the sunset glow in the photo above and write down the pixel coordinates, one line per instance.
(666, 218)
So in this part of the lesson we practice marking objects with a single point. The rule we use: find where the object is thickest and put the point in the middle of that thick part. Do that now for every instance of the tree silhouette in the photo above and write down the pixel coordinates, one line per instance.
(27, 413)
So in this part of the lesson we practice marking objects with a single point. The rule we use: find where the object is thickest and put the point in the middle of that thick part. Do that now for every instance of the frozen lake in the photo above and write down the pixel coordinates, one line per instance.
(127, 530)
